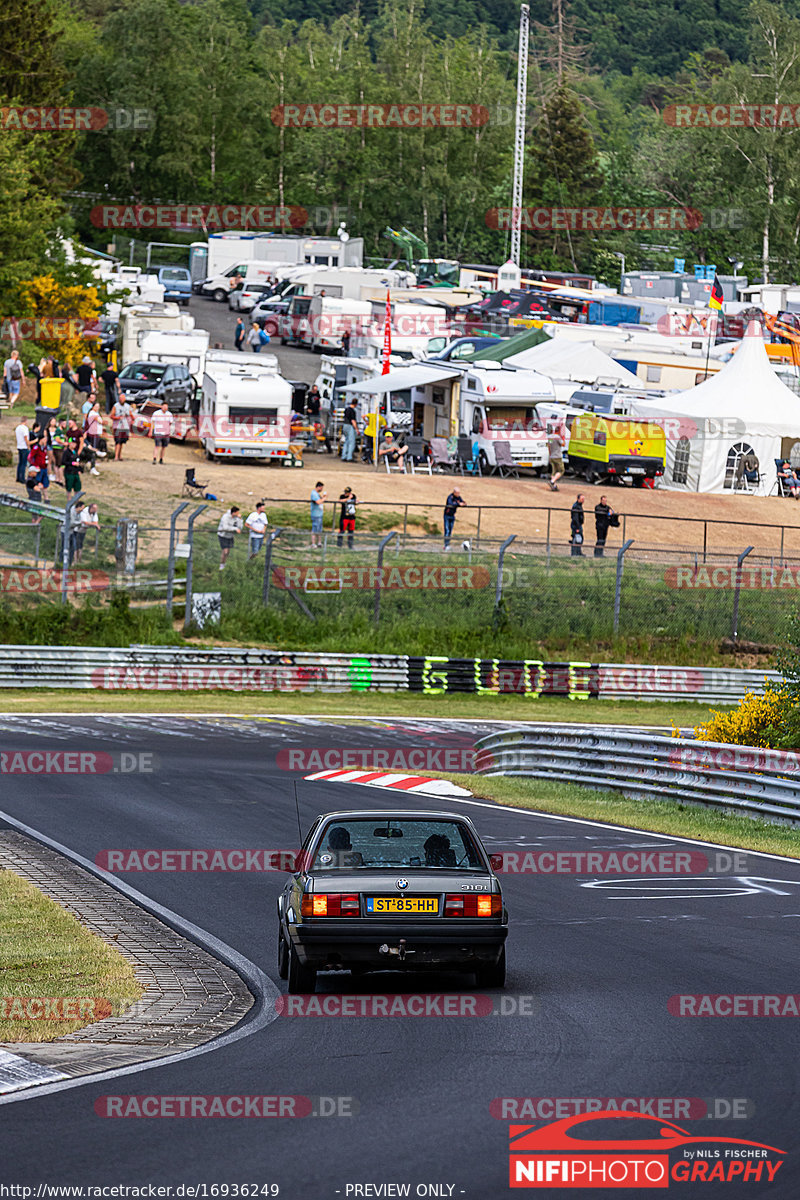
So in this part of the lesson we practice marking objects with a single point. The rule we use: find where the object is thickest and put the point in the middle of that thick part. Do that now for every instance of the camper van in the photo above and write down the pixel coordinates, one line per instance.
(500, 405)
(616, 449)
(327, 318)
(138, 319)
(176, 346)
(246, 408)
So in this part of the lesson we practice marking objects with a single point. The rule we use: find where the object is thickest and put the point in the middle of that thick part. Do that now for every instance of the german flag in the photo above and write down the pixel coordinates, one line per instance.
(717, 295)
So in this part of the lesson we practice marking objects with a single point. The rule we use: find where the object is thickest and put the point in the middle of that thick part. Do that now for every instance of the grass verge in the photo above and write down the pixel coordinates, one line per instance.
(657, 816)
(457, 706)
(46, 952)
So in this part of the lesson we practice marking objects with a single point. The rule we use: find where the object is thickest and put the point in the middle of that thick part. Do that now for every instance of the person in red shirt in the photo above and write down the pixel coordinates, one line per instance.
(37, 465)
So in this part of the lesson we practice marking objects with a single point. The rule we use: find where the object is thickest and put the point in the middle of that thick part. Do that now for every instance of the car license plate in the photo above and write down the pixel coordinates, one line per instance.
(402, 904)
(636, 470)
(524, 464)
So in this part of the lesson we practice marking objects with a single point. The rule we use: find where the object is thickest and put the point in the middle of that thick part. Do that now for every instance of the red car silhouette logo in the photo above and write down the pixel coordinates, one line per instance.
(663, 1135)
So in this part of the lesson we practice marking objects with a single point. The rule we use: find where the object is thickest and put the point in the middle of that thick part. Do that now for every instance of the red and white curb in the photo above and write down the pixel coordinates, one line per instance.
(415, 785)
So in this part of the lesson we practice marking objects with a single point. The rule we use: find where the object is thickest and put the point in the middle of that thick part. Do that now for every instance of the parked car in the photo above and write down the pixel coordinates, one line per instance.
(245, 297)
(392, 890)
(464, 349)
(157, 381)
(177, 283)
(269, 312)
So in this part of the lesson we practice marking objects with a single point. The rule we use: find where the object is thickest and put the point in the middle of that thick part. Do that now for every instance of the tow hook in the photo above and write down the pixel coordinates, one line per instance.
(398, 951)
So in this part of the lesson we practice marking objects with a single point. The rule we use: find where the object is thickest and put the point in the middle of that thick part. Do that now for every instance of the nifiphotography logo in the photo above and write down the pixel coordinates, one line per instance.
(583, 1152)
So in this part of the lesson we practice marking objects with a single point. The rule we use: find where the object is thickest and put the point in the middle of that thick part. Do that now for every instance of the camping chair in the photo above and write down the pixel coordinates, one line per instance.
(780, 486)
(441, 455)
(504, 463)
(468, 456)
(400, 465)
(191, 488)
(417, 449)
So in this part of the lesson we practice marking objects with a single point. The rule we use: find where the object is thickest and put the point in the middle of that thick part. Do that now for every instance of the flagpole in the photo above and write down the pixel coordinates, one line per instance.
(386, 368)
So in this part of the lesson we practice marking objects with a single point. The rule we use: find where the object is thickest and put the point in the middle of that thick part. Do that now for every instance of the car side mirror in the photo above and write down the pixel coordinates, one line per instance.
(497, 861)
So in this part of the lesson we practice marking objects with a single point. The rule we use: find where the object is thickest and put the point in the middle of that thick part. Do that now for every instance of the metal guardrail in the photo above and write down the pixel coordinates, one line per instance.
(741, 779)
(189, 668)
(172, 668)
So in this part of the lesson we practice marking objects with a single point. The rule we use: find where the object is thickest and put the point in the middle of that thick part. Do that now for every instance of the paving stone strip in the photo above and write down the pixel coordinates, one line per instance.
(189, 997)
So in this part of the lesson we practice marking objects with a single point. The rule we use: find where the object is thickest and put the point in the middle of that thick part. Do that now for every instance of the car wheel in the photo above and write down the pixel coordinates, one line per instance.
(302, 978)
(494, 975)
(484, 461)
(283, 956)
(209, 456)
(220, 296)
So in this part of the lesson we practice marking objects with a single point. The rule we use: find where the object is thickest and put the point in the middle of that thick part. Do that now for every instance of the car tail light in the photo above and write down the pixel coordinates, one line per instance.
(330, 904)
(473, 904)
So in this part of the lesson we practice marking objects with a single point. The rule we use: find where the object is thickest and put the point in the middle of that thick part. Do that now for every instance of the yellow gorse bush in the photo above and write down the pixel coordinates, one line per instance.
(753, 722)
(49, 303)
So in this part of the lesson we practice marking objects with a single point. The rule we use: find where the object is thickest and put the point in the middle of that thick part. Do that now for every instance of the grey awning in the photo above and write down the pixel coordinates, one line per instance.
(400, 379)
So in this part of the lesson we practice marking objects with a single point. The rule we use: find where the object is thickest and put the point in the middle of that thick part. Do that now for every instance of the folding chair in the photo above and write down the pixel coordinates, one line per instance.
(779, 486)
(441, 455)
(504, 463)
(191, 487)
(417, 449)
(468, 456)
(400, 465)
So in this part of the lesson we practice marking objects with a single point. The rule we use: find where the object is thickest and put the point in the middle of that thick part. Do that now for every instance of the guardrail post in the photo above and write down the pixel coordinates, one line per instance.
(498, 595)
(276, 533)
(189, 562)
(735, 620)
(65, 540)
(171, 562)
(384, 543)
(618, 588)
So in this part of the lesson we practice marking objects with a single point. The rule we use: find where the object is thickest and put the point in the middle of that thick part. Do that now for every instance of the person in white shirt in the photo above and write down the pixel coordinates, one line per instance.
(161, 429)
(230, 524)
(257, 525)
(23, 436)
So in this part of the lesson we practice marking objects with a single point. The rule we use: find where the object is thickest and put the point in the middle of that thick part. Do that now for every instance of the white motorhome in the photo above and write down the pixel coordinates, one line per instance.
(176, 346)
(499, 404)
(348, 283)
(138, 319)
(327, 318)
(230, 249)
(246, 408)
(139, 286)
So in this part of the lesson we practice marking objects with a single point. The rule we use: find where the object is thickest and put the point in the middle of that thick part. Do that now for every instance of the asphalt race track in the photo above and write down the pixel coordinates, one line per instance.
(596, 964)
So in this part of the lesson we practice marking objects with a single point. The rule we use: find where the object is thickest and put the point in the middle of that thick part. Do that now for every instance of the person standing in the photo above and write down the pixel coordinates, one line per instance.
(257, 526)
(349, 431)
(602, 519)
(230, 523)
(452, 504)
(556, 460)
(347, 518)
(87, 377)
(318, 495)
(346, 342)
(121, 419)
(13, 375)
(109, 378)
(576, 527)
(239, 333)
(253, 338)
(313, 403)
(23, 438)
(71, 469)
(161, 429)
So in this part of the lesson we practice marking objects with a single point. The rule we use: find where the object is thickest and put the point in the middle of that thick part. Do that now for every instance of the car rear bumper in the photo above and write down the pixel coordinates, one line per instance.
(342, 943)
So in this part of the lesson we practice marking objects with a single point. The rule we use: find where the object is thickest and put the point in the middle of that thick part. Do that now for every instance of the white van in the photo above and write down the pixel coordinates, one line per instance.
(176, 346)
(219, 287)
(246, 408)
(327, 319)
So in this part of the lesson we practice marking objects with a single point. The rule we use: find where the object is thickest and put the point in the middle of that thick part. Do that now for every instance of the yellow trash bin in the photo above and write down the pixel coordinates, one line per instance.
(51, 394)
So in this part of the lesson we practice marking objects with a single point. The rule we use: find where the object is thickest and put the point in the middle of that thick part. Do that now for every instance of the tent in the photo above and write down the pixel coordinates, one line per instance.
(743, 407)
(512, 345)
(579, 361)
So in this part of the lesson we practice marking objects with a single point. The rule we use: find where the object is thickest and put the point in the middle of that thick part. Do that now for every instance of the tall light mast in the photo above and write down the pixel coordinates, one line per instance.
(519, 134)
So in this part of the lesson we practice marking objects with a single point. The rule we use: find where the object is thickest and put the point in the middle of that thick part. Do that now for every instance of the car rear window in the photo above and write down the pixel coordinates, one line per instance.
(149, 372)
(394, 843)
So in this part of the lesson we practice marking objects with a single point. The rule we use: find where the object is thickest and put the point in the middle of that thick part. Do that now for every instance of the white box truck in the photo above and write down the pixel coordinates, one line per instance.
(246, 409)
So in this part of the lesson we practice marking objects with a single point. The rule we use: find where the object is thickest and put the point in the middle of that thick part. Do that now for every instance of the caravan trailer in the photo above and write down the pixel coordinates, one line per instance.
(246, 408)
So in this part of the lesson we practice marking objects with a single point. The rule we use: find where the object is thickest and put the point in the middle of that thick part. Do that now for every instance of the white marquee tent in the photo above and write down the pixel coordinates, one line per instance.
(744, 406)
(582, 362)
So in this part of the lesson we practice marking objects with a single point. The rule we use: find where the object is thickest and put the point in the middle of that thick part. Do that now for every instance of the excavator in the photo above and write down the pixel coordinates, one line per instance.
(430, 272)
(787, 350)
